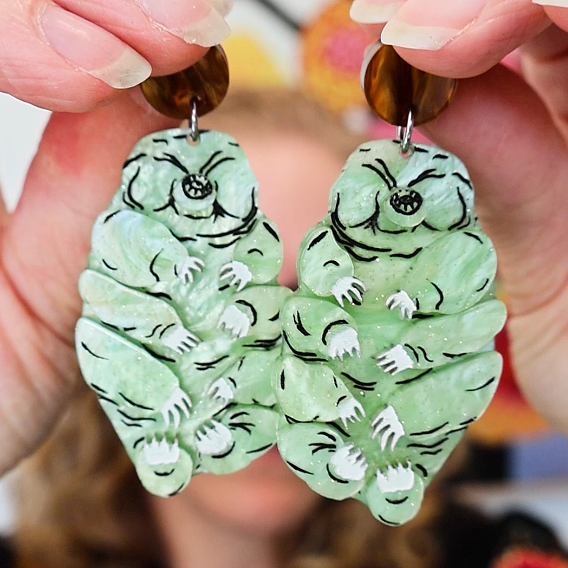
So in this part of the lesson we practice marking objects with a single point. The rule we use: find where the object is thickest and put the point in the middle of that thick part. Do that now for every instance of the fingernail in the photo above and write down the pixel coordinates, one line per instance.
(222, 6)
(196, 21)
(92, 49)
(373, 11)
(430, 24)
(559, 3)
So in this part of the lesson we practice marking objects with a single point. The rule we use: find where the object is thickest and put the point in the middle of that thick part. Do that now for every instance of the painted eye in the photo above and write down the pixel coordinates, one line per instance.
(406, 202)
(196, 186)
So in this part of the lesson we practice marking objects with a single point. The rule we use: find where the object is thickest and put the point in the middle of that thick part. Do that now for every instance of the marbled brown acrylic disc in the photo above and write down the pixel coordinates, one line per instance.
(393, 88)
(207, 81)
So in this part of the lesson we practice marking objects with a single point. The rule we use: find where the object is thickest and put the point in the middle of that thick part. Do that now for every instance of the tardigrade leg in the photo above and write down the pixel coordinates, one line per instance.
(254, 316)
(144, 402)
(249, 380)
(326, 270)
(234, 439)
(317, 330)
(435, 282)
(395, 493)
(432, 342)
(311, 391)
(257, 257)
(436, 407)
(138, 251)
(162, 466)
(320, 456)
(146, 319)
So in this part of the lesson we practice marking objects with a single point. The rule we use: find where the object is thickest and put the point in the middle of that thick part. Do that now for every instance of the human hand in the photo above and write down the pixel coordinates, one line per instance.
(72, 55)
(512, 132)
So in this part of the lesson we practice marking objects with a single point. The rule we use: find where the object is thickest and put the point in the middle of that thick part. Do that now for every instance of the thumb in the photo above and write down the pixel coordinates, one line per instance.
(84, 63)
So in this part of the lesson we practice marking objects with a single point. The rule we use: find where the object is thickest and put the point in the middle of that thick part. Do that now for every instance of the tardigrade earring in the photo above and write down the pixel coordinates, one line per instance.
(180, 327)
(388, 352)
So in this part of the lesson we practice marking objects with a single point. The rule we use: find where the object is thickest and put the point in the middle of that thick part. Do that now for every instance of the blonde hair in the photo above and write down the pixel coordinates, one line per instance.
(81, 504)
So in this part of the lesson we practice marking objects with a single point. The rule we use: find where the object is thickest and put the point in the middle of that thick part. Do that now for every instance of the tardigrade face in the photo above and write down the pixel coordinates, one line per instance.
(428, 191)
(213, 184)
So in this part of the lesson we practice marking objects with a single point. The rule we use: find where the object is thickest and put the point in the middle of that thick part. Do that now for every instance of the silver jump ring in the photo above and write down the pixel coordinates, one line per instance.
(193, 124)
(404, 134)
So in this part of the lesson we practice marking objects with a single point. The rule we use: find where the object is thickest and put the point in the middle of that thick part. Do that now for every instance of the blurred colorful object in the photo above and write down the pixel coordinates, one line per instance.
(314, 45)
(528, 558)
(333, 50)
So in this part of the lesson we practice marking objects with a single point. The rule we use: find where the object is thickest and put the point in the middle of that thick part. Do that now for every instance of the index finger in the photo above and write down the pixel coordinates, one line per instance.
(462, 38)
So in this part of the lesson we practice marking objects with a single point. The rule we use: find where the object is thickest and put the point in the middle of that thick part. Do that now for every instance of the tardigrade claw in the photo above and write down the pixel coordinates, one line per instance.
(396, 479)
(395, 360)
(234, 321)
(213, 440)
(221, 390)
(185, 270)
(180, 339)
(349, 463)
(346, 341)
(161, 453)
(178, 402)
(238, 272)
(348, 288)
(348, 409)
(402, 301)
(388, 423)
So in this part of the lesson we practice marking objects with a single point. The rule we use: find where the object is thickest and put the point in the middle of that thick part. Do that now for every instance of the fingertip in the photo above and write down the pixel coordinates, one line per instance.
(463, 41)
(170, 34)
(91, 49)
(202, 24)
(557, 11)
(374, 11)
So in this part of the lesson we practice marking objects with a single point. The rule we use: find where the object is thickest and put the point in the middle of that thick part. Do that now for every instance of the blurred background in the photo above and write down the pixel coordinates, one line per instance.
(517, 462)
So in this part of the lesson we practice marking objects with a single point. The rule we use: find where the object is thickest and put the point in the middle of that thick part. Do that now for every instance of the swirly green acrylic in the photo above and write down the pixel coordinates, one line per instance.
(180, 329)
(388, 342)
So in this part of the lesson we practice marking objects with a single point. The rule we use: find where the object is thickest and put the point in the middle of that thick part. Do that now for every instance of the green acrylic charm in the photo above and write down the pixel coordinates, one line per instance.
(388, 352)
(180, 331)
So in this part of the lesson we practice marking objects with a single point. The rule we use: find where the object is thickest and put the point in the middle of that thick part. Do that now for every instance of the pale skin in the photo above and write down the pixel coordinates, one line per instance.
(511, 132)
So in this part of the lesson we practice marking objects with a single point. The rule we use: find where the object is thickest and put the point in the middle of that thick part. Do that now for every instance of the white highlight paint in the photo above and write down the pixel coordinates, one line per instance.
(396, 479)
(186, 268)
(238, 271)
(178, 402)
(161, 453)
(345, 341)
(348, 288)
(349, 463)
(221, 390)
(388, 425)
(180, 340)
(402, 301)
(395, 360)
(235, 321)
(213, 440)
(348, 409)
